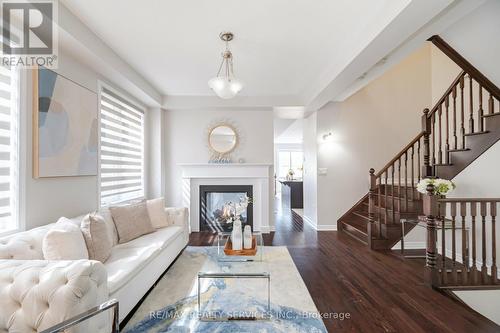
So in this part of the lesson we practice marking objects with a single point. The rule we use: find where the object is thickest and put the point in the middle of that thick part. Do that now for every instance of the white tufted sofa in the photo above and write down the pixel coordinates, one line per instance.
(36, 294)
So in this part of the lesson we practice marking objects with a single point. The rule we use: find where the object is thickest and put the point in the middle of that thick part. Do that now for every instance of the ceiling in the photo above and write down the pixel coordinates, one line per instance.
(281, 47)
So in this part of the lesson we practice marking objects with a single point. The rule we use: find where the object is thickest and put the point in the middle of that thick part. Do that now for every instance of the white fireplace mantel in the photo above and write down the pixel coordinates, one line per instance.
(256, 175)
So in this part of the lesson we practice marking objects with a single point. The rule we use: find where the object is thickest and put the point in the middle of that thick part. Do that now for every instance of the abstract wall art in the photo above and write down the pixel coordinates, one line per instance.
(65, 127)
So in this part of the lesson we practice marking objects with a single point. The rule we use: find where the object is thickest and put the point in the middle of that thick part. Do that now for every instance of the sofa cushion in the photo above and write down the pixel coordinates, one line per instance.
(156, 211)
(64, 241)
(97, 237)
(110, 224)
(127, 259)
(131, 221)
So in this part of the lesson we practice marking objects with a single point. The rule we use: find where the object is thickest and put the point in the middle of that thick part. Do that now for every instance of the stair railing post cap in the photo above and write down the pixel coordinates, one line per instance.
(372, 171)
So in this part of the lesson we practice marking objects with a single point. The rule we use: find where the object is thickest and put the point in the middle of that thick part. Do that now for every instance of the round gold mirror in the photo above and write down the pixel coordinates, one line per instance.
(223, 139)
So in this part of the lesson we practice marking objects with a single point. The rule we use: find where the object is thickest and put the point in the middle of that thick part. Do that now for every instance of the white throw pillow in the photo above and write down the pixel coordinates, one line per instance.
(64, 241)
(156, 211)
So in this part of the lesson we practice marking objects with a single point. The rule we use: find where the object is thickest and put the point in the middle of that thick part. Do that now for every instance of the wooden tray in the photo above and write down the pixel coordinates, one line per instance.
(228, 249)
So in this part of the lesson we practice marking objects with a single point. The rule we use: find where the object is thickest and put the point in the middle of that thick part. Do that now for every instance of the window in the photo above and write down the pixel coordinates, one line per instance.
(293, 160)
(122, 149)
(9, 149)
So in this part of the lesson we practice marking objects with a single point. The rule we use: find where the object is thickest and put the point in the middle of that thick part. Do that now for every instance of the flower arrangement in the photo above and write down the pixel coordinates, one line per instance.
(236, 209)
(441, 186)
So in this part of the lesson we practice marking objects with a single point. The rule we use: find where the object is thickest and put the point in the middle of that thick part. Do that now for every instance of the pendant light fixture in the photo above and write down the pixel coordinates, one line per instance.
(225, 85)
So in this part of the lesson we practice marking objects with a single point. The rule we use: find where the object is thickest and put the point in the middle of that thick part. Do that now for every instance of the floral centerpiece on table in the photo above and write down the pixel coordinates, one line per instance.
(236, 209)
(442, 187)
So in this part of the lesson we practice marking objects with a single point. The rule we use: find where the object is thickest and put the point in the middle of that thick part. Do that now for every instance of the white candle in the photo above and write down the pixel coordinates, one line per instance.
(247, 237)
(236, 235)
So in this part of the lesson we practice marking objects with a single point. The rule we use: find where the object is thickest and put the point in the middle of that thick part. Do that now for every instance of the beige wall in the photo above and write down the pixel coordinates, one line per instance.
(369, 128)
(443, 72)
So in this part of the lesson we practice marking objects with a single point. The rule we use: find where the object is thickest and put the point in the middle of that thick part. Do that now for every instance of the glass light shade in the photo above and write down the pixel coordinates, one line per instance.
(225, 88)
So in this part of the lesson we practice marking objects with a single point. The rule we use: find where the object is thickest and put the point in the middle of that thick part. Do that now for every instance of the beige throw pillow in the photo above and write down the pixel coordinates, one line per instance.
(64, 241)
(156, 211)
(131, 221)
(108, 220)
(99, 241)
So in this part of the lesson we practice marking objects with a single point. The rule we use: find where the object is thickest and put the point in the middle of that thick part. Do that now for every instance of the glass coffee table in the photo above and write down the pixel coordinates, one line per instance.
(239, 288)
(232, 302)
(224, 236)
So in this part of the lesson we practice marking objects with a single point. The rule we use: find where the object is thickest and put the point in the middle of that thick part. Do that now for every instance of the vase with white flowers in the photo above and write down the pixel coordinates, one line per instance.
(441, 187)
(236, 210)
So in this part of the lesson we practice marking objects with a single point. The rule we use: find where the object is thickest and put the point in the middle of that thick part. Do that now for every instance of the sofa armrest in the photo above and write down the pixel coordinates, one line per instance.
(178, 216)
(37, 294)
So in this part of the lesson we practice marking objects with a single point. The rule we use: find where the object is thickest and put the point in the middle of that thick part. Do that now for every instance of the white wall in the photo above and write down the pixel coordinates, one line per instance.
(310, 180)
(155, 152)
(475, 37)
(186, 133)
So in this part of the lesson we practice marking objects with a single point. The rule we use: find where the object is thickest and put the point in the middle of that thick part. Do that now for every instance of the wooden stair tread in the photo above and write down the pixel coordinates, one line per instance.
(477, 133)
(357, 222)
(356, 227)
(491, 114)
(366, 204)
(398, 197)
(458, 150)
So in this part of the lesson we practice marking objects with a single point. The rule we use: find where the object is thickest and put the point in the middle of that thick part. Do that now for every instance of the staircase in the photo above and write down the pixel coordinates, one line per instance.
(463, 124)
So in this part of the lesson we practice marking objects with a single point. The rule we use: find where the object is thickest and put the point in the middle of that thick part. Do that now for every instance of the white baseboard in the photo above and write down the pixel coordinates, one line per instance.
(321, 227)
(327, 227)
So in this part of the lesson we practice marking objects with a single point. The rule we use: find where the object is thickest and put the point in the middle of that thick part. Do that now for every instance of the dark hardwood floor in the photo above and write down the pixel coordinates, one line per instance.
(381, 291)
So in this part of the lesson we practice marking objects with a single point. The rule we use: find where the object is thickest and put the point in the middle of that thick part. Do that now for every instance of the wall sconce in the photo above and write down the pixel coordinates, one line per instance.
(328, 137)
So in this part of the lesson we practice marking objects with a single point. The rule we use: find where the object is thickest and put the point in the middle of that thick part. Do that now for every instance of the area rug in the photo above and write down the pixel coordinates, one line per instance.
(172, 306)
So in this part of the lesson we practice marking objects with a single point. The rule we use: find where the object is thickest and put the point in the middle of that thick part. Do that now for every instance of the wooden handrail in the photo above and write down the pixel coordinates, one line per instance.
(465, 65)
(405, 149)
(446, 94)
(469, 200)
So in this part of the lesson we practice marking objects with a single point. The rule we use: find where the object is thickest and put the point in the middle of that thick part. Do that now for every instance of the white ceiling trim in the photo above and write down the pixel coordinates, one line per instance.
(239, 102)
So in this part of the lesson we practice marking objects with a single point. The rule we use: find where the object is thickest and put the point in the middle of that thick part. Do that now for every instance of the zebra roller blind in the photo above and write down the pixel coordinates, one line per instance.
(9, 148)
(122, 149)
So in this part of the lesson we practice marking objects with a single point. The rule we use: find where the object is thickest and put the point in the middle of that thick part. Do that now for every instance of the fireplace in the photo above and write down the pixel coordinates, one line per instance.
(216, 209)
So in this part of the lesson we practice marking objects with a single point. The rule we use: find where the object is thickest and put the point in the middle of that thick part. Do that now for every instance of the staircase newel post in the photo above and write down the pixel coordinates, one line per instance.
(371, 206)
(430, 202)
(426, 129)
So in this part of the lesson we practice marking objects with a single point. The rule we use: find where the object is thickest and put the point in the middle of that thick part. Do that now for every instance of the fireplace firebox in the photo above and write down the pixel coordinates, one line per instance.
(216, 209)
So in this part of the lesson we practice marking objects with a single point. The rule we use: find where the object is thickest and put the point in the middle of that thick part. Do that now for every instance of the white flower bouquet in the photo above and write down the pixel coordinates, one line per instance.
(238, 208)
(441, 186)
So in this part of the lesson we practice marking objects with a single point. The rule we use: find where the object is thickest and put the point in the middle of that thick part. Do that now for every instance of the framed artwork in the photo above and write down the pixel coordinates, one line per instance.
(65, 127)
